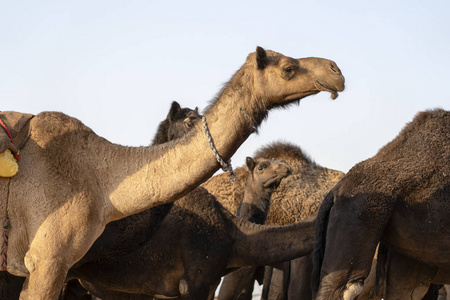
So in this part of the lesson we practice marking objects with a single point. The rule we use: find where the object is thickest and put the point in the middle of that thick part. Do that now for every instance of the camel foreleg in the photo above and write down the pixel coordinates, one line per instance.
(54, 249)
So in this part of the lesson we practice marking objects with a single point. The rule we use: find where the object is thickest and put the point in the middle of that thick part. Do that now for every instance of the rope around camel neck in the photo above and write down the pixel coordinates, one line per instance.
(226, 166)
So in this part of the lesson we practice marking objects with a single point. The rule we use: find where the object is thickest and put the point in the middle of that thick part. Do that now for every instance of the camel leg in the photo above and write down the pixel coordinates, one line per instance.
(54, 250)
(299, 283)
(191, 291)
(354, 229)
(239, 283)
(407, 278)
(46, 279)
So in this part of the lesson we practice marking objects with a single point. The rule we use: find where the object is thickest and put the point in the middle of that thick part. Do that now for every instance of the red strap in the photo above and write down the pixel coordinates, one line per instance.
(17, 156)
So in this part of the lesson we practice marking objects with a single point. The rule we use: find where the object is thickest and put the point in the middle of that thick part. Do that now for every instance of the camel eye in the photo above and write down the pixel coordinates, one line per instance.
(260, 168)
(288, 70)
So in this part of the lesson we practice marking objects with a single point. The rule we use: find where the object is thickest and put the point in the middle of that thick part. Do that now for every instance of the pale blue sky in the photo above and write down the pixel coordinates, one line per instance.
(118, 65)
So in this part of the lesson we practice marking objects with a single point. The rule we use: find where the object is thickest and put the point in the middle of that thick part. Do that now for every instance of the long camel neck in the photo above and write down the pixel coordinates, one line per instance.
(255, 204)
(266, 245)
(142, 177)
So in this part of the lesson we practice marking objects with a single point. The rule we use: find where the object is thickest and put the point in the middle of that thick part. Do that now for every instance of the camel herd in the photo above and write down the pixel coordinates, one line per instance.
(89, 218)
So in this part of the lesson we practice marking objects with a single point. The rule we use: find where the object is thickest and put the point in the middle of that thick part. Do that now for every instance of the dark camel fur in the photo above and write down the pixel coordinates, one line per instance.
(396, 276)
(73, 182)
(297, 198)
(188, 230)
(189, 251)
(399, 197)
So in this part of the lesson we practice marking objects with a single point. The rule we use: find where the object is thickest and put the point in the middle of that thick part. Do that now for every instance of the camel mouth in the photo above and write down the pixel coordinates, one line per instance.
(325, 87)
(275, 181)
(272, 184)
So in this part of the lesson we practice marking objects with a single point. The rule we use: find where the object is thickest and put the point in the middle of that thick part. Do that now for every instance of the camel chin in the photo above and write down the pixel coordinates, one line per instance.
(322, 86)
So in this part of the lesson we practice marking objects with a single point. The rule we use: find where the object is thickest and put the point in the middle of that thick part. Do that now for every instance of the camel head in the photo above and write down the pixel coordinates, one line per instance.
(177, 123)
(181, 120)
(266, 174)
(263, 178)
(280, 80)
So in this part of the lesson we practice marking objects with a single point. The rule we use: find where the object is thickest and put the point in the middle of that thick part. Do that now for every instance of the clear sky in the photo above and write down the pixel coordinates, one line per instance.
(118, 65)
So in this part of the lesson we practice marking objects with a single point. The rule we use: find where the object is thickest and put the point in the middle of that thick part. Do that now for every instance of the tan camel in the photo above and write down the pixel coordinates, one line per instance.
(72, 182)
(297, 198)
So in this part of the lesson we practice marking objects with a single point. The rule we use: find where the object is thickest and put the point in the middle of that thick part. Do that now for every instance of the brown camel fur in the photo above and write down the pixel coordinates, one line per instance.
(73, 182)
(297, 198)
(177, 123)
(264, 178)
(396, 276)
(192, 247)
(399, 197)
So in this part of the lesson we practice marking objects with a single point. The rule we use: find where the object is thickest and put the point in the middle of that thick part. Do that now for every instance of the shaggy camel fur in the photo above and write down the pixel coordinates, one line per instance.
(191, 247)
(399, 197)
(73, 182)
(297, 198)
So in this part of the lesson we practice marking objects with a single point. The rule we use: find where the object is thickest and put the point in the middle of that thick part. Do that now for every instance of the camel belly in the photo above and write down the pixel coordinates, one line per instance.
(420, 231)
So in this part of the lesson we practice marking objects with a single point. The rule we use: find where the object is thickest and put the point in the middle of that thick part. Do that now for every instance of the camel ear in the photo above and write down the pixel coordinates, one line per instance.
(196, 109)
(250, 163)
(174, 109)
(261, 58)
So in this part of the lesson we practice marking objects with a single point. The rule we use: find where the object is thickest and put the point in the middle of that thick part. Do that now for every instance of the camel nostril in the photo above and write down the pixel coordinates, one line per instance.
(334, 69)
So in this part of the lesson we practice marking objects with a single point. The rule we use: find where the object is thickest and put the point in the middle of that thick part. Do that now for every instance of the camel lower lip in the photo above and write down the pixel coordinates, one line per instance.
(323, 87)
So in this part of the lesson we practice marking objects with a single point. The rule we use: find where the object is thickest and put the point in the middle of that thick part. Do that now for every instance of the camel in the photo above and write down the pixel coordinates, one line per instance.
(263, 179)
(297, 198)
(177, 123)
(396, 276)
(400, 197)
(192, 247)
(73, 182)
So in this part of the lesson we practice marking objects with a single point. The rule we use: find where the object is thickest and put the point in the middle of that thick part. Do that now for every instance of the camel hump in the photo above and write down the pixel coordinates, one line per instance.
(17, 125)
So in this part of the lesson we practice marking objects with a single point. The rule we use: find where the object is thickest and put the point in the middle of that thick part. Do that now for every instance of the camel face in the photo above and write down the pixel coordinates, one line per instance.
(281, 79)
(268, 173)
(177, 123)
(181, 120)
(263, 178)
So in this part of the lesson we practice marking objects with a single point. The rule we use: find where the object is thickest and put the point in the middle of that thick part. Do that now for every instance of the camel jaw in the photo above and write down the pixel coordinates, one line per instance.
(297, 97)
(274, 182)
(322, 86)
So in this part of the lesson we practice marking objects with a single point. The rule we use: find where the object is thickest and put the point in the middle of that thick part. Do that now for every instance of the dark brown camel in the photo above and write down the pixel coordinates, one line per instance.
(399, 197)
(73, 182)
(297, 198)
(192, 247)
(167, 239)
(396, 276)
(253, 207)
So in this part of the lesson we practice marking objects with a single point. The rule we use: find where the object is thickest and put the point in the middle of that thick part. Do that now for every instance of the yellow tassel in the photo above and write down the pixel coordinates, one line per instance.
(8, 164)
